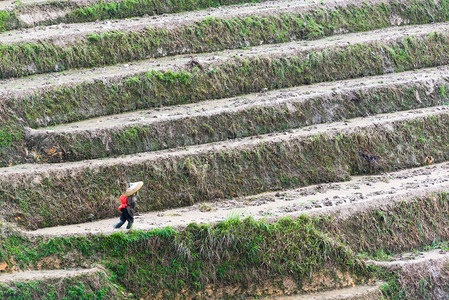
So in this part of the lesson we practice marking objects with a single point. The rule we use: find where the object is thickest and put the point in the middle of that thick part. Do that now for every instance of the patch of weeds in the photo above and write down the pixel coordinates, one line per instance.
(204, 207)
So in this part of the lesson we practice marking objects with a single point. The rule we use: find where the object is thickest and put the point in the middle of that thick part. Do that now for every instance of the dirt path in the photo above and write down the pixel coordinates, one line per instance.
(64, 33)
(263, 8)
(405, 259)
(28, 85)
(35, 171)
(212, 107)
(9, 4)
(342, 199)
(33, 2)
(6, 4)
(358, 292)
(44, 275)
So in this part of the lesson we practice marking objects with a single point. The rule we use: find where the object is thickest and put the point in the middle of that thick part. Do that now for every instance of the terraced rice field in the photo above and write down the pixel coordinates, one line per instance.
(291, 149)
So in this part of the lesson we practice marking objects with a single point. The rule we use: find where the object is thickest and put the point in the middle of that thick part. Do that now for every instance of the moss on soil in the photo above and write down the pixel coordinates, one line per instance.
(235, 76)
(60, 197)
(84, 287)
(365, 13)
(414, 225)
(229, 77)
(78, 12)
(79, 145)
(409, 226)
(404, 227)
(238, 253)
(211, 34)
(232, 254)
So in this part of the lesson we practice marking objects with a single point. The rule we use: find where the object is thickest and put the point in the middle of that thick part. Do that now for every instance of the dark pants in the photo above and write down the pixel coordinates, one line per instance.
(123, 218)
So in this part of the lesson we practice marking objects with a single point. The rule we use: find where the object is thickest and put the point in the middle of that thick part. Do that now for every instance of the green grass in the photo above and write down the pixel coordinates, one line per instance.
(85, 287)
(239, 253)
(234, 252)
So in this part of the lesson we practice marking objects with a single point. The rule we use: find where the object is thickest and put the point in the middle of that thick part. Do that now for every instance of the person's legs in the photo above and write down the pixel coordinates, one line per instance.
(122, 218)
(119, 224)
(130, 221)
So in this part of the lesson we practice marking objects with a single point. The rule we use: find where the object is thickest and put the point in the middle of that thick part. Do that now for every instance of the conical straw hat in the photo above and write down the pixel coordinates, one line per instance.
(133, 188)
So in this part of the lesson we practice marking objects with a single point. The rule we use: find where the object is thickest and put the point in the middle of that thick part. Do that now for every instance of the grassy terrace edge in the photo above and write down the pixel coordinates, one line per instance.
(89, 286)
(50, 146)
(49, 198)
(211, 34)
(103, 10)
(192, 261)
(225, 79)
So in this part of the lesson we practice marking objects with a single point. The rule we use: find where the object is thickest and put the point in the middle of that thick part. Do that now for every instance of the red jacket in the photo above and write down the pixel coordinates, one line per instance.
(124, 201)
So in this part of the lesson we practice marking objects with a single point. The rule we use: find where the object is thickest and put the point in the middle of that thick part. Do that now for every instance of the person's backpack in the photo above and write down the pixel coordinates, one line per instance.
(124, 201)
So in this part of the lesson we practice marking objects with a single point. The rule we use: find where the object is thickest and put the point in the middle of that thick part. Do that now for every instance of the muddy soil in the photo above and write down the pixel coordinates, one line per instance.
(339, 199)
(44, 275)
(405, 259)
(366, 292)
(68, 33)
(31, 15)
(33, 5)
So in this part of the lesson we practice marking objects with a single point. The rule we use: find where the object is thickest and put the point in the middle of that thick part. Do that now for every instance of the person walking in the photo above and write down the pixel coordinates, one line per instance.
(128, 207)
